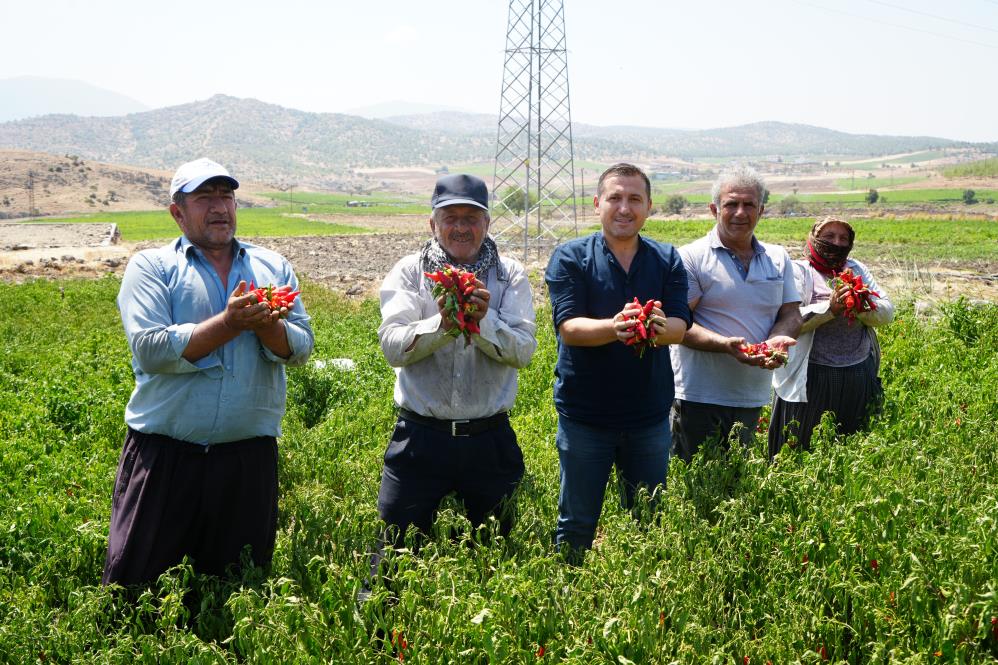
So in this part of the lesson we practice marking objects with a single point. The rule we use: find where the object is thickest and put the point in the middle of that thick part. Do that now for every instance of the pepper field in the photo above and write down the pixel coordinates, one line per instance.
(881, 547)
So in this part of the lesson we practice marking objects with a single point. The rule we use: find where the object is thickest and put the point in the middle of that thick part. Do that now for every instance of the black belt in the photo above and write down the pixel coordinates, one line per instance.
(468, 427)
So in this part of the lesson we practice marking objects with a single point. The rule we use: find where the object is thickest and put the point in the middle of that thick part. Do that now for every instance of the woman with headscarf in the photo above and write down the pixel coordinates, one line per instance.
(836, 362)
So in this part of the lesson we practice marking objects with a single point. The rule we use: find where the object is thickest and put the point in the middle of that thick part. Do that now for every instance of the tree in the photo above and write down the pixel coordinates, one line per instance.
(512, 197)
(872, 196)
(790, 205)
(969, 196)
(675, 204)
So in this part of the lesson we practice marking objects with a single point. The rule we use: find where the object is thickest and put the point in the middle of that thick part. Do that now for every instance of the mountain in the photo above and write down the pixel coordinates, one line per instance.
(272, 144)
(758, 139)
(259, 141)
(30, 96)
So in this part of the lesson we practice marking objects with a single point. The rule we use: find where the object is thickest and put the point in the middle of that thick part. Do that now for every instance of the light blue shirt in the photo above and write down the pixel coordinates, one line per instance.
(237, 391)
(733, 302)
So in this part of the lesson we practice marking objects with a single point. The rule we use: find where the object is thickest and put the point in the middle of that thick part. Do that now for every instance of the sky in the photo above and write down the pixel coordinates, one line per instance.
(905, 67)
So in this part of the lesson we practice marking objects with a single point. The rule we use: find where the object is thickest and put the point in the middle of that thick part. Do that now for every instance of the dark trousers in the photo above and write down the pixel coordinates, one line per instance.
(173, 498)
(423, 464)
(695, 422)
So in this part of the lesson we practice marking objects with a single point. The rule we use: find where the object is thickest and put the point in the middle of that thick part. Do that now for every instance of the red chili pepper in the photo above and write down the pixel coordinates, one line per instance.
(764, 349)
(643, 336)
(276, 297)
(457, 286)
(859, 299)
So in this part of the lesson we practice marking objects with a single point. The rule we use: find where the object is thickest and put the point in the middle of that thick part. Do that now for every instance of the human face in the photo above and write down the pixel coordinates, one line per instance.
(737, 215)
(460, 230)
(835, 233)
(623, 206)
(208, 215)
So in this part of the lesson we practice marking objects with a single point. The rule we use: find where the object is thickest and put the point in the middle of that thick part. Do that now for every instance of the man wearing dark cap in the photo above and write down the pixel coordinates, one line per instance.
(453, 432)
(198, 473)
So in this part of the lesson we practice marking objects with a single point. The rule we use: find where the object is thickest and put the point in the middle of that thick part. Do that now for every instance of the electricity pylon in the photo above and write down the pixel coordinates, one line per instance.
(533, 188)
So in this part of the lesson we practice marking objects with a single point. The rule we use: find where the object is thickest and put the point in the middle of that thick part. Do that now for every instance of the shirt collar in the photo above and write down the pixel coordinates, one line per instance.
(601, 243)
(715, 242)
(185, 247)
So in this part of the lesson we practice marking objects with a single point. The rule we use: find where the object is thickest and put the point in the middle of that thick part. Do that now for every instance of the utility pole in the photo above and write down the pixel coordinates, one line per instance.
(533, 188)
(31, 194)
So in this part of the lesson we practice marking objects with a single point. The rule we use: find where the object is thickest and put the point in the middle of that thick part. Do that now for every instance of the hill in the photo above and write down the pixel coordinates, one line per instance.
(29, 96)
(274, 145)
(71, 184)
(258, 141)
(753, 140)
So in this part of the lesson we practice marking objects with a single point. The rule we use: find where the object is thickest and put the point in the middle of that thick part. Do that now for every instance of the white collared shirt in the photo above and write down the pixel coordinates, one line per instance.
(440, 376)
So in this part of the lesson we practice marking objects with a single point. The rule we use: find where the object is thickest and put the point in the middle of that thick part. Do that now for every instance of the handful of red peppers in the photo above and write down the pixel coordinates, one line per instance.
(456, 286)
(764, 349)
(277, 297)
(643, 335)
(860, 297)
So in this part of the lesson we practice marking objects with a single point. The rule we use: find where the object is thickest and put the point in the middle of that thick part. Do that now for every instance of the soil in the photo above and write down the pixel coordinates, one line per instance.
(355, 264)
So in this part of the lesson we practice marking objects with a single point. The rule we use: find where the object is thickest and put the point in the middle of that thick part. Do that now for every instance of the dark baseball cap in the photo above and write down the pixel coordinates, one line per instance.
(460, 189)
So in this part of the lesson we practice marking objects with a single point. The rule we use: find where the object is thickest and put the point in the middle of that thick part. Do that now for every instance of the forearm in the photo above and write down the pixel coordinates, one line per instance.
(583, 331)
(673, 331)
(275, 337)
(702, 339)
(788, 323)
(406, 343)
(510, 343)
(208, 335)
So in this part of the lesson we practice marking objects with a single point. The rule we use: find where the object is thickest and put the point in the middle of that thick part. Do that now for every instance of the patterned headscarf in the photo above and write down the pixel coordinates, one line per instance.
(827, 258)
(433, 257)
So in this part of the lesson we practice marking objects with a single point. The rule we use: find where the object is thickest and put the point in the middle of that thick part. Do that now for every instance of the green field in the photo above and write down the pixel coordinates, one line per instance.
(877, 240)
(985, 168)
(325, 203)
(881, 547)
(892, 196)
(252, 222)
(876, 183)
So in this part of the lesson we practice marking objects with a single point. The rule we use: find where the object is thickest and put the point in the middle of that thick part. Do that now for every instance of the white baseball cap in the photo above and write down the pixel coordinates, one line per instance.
(192, 175)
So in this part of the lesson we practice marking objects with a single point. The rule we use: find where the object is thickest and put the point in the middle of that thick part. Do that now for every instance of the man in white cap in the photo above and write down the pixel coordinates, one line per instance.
(453, 432)
(198, 473)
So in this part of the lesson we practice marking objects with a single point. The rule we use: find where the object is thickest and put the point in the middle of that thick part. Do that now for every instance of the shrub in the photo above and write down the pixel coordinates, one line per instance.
(872, 196)
(790, 205)
(675, 204)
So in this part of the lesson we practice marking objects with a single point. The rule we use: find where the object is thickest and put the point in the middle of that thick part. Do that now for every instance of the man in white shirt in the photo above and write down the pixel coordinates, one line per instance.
(453, 432)
(741, 291)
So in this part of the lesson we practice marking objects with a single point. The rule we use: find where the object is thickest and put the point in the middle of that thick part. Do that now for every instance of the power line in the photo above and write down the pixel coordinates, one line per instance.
(897, 25)
(935, 16)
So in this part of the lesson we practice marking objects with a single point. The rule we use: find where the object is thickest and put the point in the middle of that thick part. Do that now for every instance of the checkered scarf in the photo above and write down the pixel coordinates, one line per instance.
(433, 257)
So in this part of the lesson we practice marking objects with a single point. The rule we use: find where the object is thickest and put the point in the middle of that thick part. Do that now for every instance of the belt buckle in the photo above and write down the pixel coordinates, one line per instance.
(453, 427)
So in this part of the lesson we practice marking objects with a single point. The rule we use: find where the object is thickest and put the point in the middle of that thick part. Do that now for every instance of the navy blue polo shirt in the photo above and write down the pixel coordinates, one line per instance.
(609, 386)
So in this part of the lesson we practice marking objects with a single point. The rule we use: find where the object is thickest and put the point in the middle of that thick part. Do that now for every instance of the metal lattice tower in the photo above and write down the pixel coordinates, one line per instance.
(533, 190)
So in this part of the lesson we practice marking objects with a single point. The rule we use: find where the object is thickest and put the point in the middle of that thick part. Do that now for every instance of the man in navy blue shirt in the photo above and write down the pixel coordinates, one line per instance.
(613, 406)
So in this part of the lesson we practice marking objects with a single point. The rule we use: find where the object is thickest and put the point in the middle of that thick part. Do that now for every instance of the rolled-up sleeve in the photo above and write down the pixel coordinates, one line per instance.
(790, 290)
(509, 334)
(297, 326)
(402, 320)
(884, 313)
(566, 286)
(675, 299)
(156, 342)
(692, 266)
